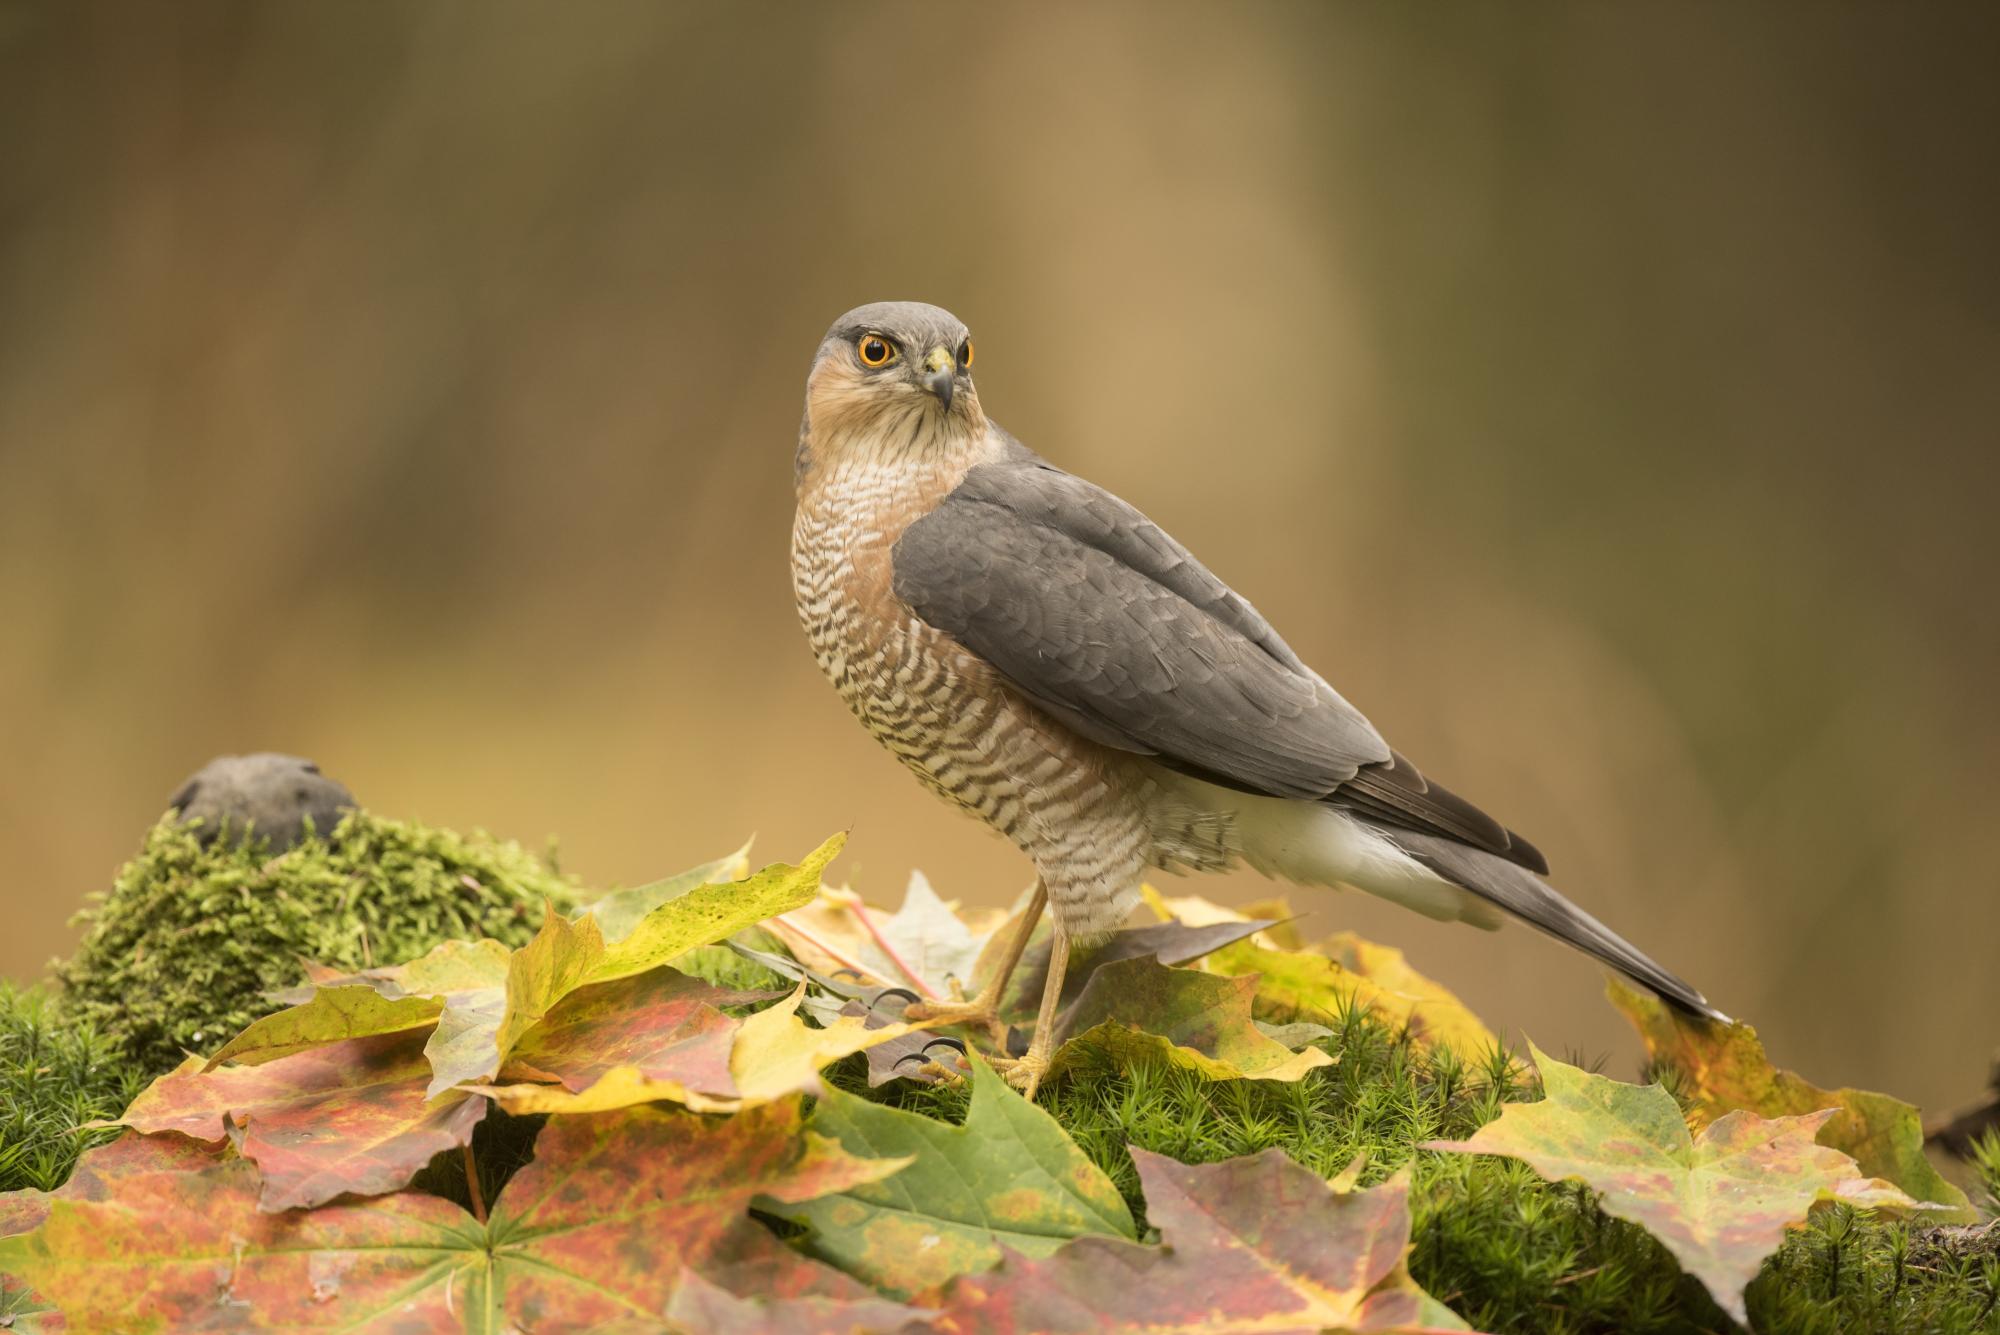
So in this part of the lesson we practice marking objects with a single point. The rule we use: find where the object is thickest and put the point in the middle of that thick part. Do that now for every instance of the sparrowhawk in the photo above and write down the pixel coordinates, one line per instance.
(1041, 654)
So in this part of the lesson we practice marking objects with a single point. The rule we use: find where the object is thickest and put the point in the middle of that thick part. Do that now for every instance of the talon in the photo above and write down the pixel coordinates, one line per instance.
(888, 992)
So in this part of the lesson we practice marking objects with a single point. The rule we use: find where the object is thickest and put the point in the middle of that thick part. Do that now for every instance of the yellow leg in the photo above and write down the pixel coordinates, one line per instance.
(984, 1009)
(1026, 1074)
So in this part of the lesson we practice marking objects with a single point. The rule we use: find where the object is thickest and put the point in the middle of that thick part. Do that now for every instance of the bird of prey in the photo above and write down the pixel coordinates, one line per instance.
(1044, 656)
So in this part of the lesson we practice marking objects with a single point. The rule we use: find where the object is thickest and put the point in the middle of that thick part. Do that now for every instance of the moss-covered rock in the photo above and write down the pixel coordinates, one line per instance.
(179, 953)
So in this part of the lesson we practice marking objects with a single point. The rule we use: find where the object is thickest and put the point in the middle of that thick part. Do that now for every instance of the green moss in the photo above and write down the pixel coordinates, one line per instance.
(54, 1076)
(179, 953)
(1505, 1249)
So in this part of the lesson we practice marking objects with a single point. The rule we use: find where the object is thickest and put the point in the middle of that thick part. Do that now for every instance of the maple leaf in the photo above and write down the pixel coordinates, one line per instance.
(1305, 985)
(1345, 970)
(664, 1024)
(1430, 1011)
(96, 1175)
(447, 968)
(1167, 942)
(709, 913)
(1720, 1201)
(479, 1026)
(1008, 1178)
(712, 1310)
(348, 1010)
(774, 1054)
(1138, 1009)
(594, 1234)
(1724, 1068)
(618, 912)
(1250, 1244)
(922, 1056)
(350, 1116)
(923, 945)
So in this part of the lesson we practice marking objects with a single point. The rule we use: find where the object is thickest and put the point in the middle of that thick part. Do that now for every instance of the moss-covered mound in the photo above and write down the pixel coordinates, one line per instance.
(179, 953)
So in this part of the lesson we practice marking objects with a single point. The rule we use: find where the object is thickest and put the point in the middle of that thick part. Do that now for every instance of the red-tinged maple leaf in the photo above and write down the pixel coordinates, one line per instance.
(1720, 1201)
(595, 1234)
(478, 1029)
(774, 1056)
(1252, 1244)
(664, 1024)
(1723, 1068)
(193, 1252)
(347, 1117)
(699, 1306)
(130, 1156)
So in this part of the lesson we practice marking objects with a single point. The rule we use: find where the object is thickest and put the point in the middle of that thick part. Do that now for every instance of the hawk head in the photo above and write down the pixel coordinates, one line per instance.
(893, 378)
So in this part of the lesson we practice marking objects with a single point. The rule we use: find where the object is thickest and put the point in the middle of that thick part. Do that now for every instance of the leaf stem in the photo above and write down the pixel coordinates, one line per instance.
(472, 1185)
(827, 948)
(860, 911)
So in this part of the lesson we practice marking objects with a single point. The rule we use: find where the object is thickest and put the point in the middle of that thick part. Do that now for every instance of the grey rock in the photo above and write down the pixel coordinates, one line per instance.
(267, 793)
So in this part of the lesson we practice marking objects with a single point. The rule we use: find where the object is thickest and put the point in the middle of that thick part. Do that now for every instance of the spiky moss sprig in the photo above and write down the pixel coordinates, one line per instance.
(1505, 1249)
(55, 1075)
(179, 953)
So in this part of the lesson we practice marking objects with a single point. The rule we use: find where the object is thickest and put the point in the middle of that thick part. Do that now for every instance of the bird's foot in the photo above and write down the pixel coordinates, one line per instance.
(1023, 1073)
(975, 1014)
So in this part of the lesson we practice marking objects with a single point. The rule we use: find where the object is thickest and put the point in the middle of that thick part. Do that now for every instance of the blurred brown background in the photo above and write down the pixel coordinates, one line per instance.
(1605, 397)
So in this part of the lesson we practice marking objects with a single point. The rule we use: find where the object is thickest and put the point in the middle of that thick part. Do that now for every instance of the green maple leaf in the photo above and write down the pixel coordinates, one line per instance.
(1008, 1178)
(596, 1233)
(1724, 1068)
(1139, 1009)
(1250, 1244)
(1720, 1201)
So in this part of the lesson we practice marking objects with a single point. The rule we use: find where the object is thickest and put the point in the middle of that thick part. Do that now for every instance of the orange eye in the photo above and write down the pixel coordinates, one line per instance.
(875, 350)
(965, 353)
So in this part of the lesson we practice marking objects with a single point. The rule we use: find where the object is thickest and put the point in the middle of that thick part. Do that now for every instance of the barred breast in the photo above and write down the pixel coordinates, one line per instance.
(1083, 814)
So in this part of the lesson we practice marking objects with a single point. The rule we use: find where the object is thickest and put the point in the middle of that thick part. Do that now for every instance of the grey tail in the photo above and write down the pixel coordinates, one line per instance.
(1529, 898)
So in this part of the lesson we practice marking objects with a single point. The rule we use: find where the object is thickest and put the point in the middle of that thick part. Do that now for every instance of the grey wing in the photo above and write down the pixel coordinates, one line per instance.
(1093, 612)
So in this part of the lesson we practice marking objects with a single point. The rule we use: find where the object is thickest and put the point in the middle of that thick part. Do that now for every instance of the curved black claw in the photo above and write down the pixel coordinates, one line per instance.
(909, 998)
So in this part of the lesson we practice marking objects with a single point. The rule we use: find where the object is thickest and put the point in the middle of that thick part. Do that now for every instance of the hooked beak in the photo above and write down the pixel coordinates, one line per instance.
(941, 375)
